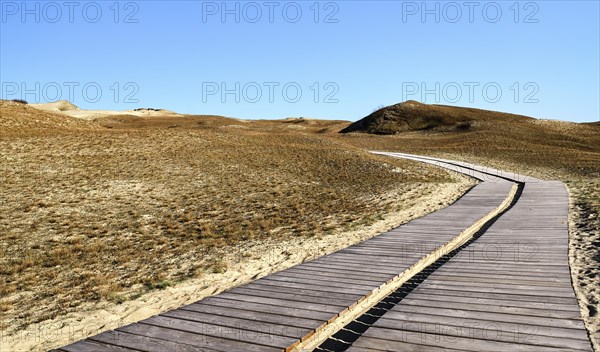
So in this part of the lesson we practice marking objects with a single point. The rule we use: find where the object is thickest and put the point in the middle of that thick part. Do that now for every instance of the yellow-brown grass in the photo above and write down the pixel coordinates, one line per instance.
(89, 213)
(111, 209)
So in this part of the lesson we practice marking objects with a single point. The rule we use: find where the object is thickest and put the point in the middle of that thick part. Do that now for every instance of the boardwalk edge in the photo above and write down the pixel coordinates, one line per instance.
(336, 323)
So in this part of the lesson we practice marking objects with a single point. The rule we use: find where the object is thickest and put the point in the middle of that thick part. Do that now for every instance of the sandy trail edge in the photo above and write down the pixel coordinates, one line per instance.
(249, 262)
(576, 264)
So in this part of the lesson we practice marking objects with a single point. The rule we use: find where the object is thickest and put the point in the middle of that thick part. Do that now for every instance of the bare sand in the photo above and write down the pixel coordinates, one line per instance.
(251, 261)
(66, 108)
(584, 239)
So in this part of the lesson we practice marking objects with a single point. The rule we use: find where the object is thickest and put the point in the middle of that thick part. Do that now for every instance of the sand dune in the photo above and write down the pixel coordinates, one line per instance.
(69, 109)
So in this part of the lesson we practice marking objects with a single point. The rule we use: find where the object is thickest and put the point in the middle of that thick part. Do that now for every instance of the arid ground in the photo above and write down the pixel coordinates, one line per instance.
(110, 218)
(95, 219)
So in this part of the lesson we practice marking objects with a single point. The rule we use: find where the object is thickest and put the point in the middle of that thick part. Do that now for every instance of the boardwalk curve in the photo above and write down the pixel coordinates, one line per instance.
(311, 302)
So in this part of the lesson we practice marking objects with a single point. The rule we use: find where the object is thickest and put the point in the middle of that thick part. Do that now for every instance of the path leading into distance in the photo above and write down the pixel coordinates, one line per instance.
(488, 273)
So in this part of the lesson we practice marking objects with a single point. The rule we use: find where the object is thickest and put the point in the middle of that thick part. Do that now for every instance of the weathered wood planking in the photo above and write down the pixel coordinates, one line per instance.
(510, 290)
(274, 312)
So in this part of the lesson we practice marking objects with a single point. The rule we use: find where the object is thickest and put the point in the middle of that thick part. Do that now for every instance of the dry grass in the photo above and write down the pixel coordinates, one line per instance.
(21, 119)
(414, 116)
(302, 125)
(113, 209)
(90, 214)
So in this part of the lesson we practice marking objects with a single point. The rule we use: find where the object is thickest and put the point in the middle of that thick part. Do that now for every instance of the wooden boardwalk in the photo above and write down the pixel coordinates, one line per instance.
(274, 313)
(509, 290)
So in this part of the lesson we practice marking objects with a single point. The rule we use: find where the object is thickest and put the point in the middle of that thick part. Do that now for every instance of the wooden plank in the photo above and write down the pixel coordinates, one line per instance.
(297, 294)
(492, 302)
(285, 302)
(212, 339)
(500, 296)
(146, 343)
(332, 272)
(226, 336)
(93, 346)
(281, 317)
(258, 307)
(392, 340)
(320, 281)
(500, 307)
(399, 318)
(319, 290)
(430, 333)
(282, 327)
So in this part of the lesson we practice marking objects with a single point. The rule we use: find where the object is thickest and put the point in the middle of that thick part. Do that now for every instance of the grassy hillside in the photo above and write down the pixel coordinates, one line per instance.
(90, 213)
(415, 116)
(163, 196)
(556, 147)
(21, 118)
(302, 125)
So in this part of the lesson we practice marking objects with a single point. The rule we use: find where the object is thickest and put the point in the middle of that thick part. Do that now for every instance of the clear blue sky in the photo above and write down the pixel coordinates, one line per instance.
(346, 59)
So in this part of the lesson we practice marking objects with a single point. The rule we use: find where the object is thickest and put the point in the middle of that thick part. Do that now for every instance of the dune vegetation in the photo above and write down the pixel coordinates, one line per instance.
(112, 209)
(108, 207)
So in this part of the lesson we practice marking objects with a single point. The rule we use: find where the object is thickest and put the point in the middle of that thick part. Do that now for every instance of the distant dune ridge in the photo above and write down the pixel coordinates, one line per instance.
(61, 105)
(414, 116)
(65, 114)
(67, 108)
(22, 117)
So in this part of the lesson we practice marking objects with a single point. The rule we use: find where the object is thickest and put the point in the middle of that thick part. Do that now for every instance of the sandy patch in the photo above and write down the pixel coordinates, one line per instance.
(60, 106)
(66, 108)
(584, 243)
